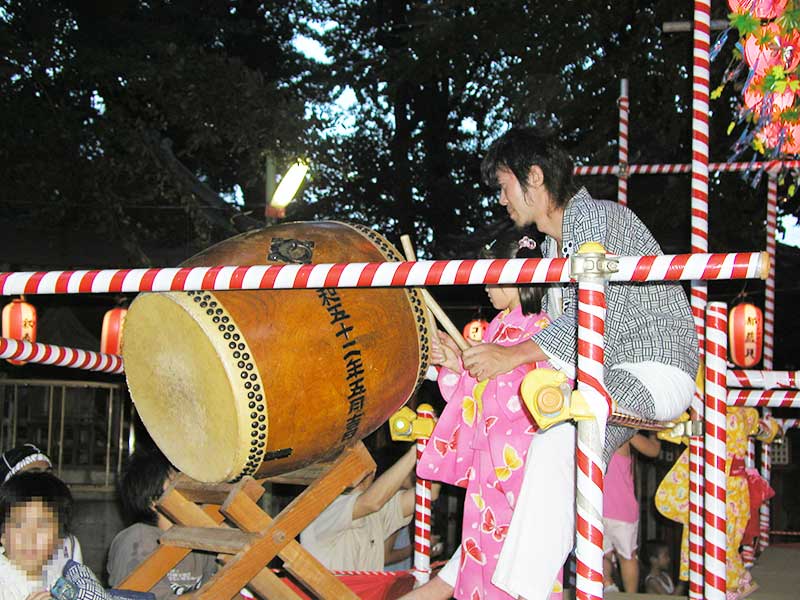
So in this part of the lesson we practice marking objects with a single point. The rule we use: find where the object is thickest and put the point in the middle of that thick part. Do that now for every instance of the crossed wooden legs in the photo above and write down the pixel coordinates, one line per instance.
(256, 538)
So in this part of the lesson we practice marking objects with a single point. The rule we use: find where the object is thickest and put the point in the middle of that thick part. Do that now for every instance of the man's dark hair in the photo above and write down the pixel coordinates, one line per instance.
(508, 245)
(521, 148)
(142, 484)
(37, 486)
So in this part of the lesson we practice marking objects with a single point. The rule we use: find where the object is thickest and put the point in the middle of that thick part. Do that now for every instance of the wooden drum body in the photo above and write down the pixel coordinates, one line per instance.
(262, 382)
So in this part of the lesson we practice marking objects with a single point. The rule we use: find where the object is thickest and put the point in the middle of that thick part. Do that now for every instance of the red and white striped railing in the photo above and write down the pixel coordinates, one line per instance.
(674, 169)
(763, 380)
(765, 398)
(735, 265)
(59, 356)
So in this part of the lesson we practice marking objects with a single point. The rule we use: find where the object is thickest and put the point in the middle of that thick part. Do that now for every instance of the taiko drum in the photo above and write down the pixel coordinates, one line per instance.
(261, 382)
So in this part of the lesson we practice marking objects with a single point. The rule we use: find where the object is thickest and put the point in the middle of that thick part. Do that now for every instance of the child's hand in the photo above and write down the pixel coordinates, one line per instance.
(445, 353)
(44, 595)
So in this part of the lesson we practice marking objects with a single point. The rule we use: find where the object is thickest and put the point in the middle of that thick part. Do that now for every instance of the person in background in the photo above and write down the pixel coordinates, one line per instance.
(657, 562)
(35, 510)
(28, 458)
(621, 513)
(398, 549)
(146, 477)
(350, 534)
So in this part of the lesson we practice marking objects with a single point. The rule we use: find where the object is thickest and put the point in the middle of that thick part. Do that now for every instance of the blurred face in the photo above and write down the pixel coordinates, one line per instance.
(30, 536)
(503, 297)
(663, 559)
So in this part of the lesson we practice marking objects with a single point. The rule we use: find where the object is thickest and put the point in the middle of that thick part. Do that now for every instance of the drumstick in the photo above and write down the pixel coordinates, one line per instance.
(430, 301)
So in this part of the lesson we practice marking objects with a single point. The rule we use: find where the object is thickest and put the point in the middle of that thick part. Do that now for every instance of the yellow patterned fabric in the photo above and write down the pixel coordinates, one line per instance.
(672, 501)
(672, 496)
(742, 423)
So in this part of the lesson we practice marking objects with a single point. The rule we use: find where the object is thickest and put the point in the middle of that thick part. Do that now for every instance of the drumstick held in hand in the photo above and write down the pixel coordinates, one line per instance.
(433, 306)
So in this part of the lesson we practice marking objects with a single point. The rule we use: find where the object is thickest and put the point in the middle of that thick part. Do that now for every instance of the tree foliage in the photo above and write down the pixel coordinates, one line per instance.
(434, 82)
(131, 118)
(128, 118)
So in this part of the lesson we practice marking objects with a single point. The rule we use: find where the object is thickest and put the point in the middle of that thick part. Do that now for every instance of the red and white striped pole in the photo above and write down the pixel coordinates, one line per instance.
(769, 344)
(422, 511)
(59, 356)
(699, 290)
(715, 570)
(767, 380)
(765, 398)
(677, 168)
(591, 436)
(622, 174)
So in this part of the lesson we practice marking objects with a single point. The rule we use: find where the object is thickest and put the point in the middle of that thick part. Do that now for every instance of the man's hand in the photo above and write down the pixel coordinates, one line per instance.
(487, 361)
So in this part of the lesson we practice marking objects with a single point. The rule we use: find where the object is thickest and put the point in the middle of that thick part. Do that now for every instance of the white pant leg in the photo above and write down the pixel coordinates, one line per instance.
(542, 530)
(671, 388)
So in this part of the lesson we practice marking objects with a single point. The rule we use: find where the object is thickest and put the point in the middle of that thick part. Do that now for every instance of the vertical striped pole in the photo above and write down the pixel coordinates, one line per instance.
(624, 112)
(699, 289)
(716, 451)
(591, 438)
(422, 511)
(769, 343)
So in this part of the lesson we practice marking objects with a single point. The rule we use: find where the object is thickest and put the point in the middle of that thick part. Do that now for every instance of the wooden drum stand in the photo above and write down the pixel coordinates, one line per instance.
(225, 518)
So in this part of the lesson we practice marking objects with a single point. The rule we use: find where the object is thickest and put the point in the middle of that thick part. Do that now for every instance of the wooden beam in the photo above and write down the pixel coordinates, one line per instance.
(306, 569)
(209, 539)
(351, 466)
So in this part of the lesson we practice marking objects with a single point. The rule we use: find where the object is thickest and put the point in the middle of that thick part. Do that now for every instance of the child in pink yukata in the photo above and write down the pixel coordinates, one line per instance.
(482, 438)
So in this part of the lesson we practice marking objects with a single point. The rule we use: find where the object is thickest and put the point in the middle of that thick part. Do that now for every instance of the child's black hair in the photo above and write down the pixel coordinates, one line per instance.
(42, 486)
(513, 244)
(142, 484)
(652, 548)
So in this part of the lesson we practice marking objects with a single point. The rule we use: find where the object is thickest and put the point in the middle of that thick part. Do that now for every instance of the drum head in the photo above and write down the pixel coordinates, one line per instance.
(184, 392)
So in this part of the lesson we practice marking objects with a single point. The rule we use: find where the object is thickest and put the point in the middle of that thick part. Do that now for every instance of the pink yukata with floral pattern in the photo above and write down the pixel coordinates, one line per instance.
(480, 443)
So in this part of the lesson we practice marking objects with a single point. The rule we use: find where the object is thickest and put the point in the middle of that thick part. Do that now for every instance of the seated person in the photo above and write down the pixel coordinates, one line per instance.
(349, 535)
(34, 520)
(146, 477)
(28, 458)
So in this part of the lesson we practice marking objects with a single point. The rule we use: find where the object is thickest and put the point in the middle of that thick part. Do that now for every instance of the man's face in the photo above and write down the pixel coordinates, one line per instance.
(521, 207)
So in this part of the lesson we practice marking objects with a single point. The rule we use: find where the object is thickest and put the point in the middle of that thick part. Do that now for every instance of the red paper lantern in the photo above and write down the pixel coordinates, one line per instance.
(111, 336)
(745, 335)
(474, 330)
(771, 47)
(19, 323)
